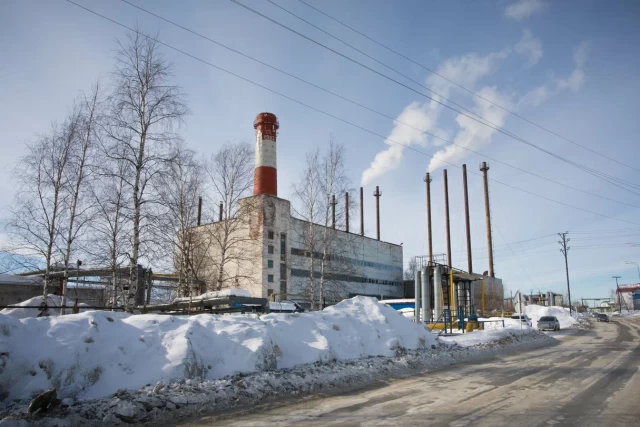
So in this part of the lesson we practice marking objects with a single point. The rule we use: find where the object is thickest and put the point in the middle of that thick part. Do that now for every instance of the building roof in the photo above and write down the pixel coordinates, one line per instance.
(629, 288)
(11, 279)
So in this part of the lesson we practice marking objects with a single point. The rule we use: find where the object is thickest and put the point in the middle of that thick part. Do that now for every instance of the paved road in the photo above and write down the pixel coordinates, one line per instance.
(591, 379)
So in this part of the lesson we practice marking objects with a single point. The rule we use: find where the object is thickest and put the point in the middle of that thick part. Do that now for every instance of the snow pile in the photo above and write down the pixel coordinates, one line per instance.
(488, 335)
(535, 312)
(216, 294)
(164, 403)
(52, 301)
(93, 354)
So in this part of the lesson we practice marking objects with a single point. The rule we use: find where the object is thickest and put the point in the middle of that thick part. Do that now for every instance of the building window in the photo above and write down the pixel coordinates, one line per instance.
(283, 247)
(269, 292)
(270, 234)
(270, 278)
(270, 249)
(270, 263)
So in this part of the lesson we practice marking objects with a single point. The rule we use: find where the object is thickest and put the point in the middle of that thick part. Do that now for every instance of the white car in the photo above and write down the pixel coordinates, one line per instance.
(523, 318)
(549, 322)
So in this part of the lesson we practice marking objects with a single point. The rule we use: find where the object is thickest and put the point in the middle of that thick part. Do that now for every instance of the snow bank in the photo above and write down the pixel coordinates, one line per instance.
(52, 301)
(535, 312)
(93, 354)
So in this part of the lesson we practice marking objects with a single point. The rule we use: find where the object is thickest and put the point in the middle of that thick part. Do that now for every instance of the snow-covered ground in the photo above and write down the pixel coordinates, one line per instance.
(115, 366)
(93, 354)
(216, 294)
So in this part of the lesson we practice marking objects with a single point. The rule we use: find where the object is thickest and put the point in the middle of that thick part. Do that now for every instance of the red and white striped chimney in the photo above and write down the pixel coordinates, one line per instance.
(265, 175)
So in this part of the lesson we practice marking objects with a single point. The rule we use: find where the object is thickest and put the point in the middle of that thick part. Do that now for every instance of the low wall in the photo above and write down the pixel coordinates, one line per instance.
(14, 293)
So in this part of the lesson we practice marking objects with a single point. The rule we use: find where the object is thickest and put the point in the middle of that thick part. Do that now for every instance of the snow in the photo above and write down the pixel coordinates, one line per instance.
(52, 301)
(165, 403)
(93, 354)
(283, 306)
(535, 312)
(217, 294)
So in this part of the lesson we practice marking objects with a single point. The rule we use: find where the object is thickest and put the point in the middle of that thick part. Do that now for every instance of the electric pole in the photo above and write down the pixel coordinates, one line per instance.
(564, 249)
(618, 292)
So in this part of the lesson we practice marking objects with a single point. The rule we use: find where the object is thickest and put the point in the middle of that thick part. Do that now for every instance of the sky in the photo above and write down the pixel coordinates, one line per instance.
(569, 67)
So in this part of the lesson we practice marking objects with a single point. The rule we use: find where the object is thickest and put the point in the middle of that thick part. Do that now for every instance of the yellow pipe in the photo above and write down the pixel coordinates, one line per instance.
(451, 291)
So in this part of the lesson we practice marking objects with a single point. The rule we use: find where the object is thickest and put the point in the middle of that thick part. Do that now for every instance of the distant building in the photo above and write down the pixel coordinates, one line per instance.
(630, 296)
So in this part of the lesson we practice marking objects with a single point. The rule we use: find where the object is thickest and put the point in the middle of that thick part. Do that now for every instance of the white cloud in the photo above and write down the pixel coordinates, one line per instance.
(573, 81)
(524, 8)
(473, 134)
(466, 71)
(530, 47)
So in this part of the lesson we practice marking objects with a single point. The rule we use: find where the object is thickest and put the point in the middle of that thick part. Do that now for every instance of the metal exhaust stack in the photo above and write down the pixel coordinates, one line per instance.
(484, 167)
(346, 210)
(446, 214)
(466, 217)
(427, 180)
(199, 210)
(377, 195)
(361, 211)
(333, 211)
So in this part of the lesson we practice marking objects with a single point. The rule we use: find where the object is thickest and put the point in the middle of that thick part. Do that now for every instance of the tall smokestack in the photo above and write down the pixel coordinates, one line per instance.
(446, 215)
(346, 210)
(377, 195)
(265, 174)
(361, 211)
(484, 167)
(199, 209)
(466, 217)
(333, 211)
(427, 180)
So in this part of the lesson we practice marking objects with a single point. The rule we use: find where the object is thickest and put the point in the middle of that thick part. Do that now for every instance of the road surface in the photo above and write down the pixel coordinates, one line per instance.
(591, 379)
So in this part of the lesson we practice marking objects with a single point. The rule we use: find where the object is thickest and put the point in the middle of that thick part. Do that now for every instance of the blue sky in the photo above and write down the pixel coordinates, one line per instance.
(570, 66)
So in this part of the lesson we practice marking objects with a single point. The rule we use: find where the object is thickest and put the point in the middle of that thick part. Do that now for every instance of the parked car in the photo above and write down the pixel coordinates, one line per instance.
(523, 318)
(602, 317)
(549, 322)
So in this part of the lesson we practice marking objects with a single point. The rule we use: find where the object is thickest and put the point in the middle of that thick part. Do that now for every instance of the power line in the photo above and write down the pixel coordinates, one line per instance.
(464, 88)
(605, 177)
(373, 110)
(334, 116)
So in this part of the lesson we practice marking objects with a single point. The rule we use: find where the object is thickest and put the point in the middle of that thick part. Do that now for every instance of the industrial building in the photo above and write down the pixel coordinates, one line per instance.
(275, 259)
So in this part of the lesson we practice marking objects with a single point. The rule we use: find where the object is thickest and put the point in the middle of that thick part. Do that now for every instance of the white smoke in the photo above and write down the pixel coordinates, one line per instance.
(473, 134)
(466, 71)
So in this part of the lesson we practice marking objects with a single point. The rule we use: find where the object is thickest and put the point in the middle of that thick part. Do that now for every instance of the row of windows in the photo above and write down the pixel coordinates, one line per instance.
(362, 263)
(297, 272)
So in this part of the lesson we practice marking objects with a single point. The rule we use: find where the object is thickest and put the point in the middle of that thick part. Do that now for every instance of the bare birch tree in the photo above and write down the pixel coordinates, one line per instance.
(310, 195)
(78, 170)
(323, 177)
(179, 189)
(145, 109)
(230, 173)
(38, 209)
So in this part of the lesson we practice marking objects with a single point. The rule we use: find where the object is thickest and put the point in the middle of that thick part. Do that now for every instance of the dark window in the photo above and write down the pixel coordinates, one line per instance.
(283, 278)
(269, 292)
(270, 278)
(283, 247)
(270, 249)
(270, 263)
(270, 234)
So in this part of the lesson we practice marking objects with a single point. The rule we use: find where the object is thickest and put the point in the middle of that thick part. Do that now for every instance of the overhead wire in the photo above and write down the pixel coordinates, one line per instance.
(476, 94)
(605, 177)
(375, 111)
(337, 117)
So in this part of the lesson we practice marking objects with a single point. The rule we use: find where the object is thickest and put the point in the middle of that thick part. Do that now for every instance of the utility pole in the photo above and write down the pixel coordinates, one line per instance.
(618, 292)
(361, 211)
(346, 210)
(564, 249)
(427, 180)
(637, 266)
